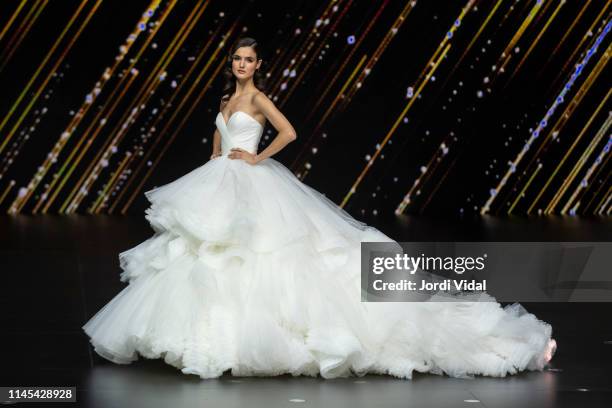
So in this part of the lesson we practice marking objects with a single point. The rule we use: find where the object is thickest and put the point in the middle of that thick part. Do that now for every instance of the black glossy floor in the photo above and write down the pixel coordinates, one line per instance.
(58, 271)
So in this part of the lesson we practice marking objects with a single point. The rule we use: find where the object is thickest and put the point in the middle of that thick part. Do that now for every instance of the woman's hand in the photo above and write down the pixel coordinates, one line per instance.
(238, 153)
(215, 155)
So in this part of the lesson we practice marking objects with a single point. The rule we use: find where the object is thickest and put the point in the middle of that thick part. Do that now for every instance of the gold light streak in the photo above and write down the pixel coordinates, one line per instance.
(331, 105)
(82, 112)
(382, 47)
(202, 71)
(436, 186)
(156, 141)
(437, 158)
(126, 175)
(344, 61)
(154, 82)
(507, 53)
(129, 114)
(309, 62)
(9, 23)
(576, 169)
(91, 136)
(394, 127)
(22, 31)
(287, 59)
(580, 190)
(309, 41)
(588, 35)
(434, 162)
(338, 97)
(303, 70)
(38, 71)
(558, 125)
(577, 99)
(193, 83)
(406, 200)
(19, 202)
(475, 38)
(566, 34)
(132, 112)
(535, 42)
(604, 203)
(185, 117)
(569, 151)
(545, 7)
(70, 130)
(114, 177)
(565, 66)
(556, 128)
(601, 185)
(7, 190)
(341, 95)
(525, 187)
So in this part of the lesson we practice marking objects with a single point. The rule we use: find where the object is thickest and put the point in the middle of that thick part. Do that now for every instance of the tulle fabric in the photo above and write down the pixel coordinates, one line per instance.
(253, 271)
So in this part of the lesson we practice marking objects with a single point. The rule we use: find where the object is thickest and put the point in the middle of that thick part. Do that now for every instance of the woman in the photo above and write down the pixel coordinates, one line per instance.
(252, 271)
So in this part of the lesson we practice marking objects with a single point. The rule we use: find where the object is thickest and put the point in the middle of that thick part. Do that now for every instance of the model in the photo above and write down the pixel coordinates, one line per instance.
(253, 272)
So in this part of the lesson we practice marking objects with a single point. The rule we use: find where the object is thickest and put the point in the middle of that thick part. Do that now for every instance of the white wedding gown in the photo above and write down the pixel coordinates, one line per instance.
(252, 271)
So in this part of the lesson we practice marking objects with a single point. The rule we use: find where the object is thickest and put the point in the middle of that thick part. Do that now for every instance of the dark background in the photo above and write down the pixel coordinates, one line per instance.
(483, 134)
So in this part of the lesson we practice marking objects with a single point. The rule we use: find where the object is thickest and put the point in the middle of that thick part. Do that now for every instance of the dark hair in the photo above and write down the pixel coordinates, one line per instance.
(259, 78)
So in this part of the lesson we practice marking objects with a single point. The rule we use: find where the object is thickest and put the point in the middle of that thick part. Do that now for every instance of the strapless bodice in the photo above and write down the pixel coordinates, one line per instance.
(241, 130)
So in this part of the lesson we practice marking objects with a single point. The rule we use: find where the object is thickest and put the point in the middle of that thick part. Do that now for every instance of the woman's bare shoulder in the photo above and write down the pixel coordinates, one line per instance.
(255, 103)
(258, 97)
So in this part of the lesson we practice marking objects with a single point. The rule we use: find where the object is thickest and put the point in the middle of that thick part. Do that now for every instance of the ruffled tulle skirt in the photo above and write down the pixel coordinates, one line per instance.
(251, 270)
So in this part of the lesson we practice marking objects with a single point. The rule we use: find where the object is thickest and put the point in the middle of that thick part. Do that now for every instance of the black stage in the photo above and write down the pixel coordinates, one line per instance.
(59, 270)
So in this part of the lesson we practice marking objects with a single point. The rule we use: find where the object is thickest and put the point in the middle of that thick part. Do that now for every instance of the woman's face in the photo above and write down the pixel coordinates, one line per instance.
(244, 62)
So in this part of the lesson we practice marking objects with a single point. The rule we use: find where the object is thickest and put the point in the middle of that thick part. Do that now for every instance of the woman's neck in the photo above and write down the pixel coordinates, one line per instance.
(242, 89)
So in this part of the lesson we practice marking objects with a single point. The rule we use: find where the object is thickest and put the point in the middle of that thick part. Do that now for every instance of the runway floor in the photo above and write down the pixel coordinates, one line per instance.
(58, 271)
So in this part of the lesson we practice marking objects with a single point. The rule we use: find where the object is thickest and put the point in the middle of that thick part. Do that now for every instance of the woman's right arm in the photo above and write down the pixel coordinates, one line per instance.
(216, 151)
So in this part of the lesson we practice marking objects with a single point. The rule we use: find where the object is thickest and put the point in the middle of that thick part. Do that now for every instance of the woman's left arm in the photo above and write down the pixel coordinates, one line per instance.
(286, 132)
